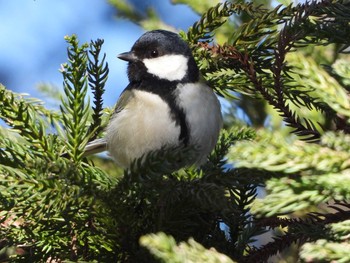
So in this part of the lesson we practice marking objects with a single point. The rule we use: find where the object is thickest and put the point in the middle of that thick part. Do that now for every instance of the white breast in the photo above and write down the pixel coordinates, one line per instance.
(142, 126)
(203, 114)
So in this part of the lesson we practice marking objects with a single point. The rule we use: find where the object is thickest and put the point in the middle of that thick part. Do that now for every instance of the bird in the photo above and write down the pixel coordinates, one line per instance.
(166, 104)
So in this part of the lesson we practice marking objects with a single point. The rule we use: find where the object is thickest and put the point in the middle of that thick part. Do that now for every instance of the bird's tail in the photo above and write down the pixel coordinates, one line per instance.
(95, 146)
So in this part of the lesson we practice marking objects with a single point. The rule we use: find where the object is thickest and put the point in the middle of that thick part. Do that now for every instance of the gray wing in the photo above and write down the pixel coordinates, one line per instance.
(123, 100)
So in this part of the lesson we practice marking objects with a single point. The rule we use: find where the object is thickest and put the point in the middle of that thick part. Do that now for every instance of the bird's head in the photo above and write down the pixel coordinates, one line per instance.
(161, 55)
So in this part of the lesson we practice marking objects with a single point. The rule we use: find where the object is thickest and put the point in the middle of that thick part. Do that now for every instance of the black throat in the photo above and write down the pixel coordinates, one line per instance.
(166, 90)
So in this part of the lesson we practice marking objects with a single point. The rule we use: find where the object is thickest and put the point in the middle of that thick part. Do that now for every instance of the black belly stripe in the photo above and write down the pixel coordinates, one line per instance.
(184, 133)
(180, 119)
(166, 90)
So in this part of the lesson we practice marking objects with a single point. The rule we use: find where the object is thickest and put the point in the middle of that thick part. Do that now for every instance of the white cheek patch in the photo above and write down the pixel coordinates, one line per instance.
(169, 67)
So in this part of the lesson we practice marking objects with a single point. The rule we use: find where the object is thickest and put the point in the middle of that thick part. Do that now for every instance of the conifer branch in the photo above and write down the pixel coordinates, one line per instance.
(28, 117)
(300, 231)
(98, 74)
(298, 30)
(75, 110)
(215, 17)
(280, 243)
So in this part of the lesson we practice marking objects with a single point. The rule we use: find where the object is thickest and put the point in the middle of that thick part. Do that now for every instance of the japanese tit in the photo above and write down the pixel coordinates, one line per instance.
(165, 104)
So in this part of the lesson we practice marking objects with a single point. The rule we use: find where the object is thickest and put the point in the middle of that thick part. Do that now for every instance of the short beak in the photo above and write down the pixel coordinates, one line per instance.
(127, 56)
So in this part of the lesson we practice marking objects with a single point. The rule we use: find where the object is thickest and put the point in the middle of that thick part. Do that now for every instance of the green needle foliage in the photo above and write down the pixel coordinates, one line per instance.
(50, 197)
(287, 71)
(165, 248)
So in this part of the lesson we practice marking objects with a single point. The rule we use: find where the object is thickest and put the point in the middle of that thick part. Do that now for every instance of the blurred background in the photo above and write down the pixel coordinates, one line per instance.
(32, 45)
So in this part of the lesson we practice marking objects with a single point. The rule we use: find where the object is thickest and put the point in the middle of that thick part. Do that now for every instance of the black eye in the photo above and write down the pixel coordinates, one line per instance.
(154, 53)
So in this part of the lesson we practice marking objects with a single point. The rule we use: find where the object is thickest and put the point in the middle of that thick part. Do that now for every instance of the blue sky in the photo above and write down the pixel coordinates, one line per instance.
(32, 45)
